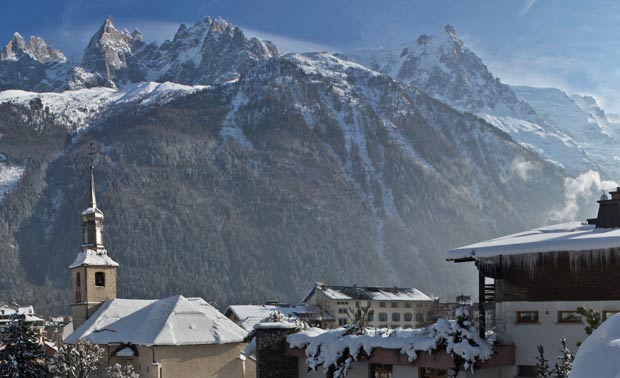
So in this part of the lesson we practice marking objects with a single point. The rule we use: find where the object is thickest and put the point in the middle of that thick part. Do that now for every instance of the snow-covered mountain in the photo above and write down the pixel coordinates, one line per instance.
(285, 169)
(443, 67)
(79, 109)
(582, 119)
(210, 51)
(31, 65)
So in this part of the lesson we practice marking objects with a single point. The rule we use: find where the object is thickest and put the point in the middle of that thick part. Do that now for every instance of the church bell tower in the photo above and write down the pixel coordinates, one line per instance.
(93, 273)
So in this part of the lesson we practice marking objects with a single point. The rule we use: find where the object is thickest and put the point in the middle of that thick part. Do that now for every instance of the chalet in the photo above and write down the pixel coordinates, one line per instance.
(534, 281)
(170, 337)
(391, 306)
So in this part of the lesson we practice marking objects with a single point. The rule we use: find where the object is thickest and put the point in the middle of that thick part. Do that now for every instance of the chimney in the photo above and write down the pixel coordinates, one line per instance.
(608, 211)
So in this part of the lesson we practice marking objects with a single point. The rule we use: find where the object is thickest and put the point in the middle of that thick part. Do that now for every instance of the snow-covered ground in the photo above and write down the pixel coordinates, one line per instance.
(9, 178)
(599, 355)
(79, 109)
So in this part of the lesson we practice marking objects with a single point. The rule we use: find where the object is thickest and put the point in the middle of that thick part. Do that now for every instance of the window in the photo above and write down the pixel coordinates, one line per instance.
(527, 316)
(569, 317)
(526, 371)
(342, 322)
(419, 317)
(608, 313)
(78, 281)
(380, 371)
(342, 310)
(381, 304)
(408, 304)
(394, 304)
(100, 279)
(383, 316)
(407, 326)
(343, 303)
(408, 316)
(371, 316)
(432, 373)
(396, 316)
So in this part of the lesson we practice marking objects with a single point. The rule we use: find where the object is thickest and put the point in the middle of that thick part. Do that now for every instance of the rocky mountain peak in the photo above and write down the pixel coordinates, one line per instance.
(35, 48)
(108, 56)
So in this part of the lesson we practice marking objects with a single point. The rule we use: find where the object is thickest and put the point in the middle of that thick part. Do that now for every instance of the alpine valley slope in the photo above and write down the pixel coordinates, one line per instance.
(304, 167)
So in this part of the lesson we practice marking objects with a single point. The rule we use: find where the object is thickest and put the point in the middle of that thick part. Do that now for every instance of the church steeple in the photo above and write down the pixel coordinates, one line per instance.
(92, 217)
(93, 199)
(93, 271)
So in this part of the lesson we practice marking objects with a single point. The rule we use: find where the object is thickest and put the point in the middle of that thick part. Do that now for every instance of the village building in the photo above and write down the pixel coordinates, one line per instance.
(170, 337)
(247, 316)
(535, 281)
(14, 312)
(391, 307)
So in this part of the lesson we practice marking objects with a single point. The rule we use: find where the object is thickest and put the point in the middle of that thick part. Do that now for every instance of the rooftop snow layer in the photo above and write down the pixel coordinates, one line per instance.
(371, 293)
(572, 236)
(91, 257)
(251, 315)
(174, 320)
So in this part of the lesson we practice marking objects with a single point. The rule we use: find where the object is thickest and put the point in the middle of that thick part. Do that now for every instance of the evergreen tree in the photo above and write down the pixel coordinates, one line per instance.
(543, 370)
(121, 371)
(23, 356)
(79, 360)
(564, 363)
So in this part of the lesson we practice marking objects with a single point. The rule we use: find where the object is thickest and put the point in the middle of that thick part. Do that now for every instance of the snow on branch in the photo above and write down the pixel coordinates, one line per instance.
(339, 348)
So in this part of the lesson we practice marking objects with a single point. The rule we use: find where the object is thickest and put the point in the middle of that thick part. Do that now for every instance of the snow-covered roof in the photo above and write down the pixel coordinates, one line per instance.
(92, 257)
(326, 347)
(251, 315)
(7, 312)
(369, 293)
(174, 320)
(599, 354)
(565, 237)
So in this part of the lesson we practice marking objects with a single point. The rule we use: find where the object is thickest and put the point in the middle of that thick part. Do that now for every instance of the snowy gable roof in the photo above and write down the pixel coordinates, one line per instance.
(565, 237)
(370, 293)
(174, 320)
(92, 257)
(251, 315)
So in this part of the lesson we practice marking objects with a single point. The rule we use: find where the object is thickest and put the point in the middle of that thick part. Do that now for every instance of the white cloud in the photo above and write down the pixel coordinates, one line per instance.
(287, 44)
(526, 7)
(520, 169)
(578, 191)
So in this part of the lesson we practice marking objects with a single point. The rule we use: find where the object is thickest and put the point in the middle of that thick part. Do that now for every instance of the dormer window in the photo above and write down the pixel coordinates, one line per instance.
(100, 279)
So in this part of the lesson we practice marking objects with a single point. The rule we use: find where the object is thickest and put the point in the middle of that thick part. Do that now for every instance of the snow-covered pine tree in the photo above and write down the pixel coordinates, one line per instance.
(23, 355)
(564, 363)
(121, 371)
(543, 370)
(79, 360)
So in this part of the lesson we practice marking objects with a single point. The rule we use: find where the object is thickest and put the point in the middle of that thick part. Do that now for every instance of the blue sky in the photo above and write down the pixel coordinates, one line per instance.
(568, 44)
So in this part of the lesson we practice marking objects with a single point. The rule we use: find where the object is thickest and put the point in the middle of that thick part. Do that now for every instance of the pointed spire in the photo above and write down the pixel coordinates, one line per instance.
(92, 200)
